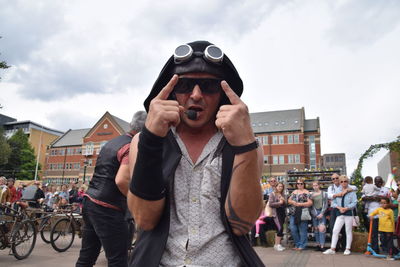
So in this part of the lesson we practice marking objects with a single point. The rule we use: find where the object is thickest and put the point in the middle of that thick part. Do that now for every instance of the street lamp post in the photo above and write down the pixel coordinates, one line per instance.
(84, 170)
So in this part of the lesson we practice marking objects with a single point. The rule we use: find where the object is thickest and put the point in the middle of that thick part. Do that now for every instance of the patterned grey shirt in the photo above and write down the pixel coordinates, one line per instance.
(197, 236)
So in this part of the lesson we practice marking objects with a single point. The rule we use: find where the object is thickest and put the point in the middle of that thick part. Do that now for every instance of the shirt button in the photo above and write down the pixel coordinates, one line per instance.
(194, 200)
(194, 231)
(188, 261)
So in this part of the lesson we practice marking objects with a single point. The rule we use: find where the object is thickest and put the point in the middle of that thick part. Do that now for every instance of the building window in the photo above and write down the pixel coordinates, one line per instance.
(275, 160)
(90, 162)
(274, 140)
(281, 140)
(313, 154)
(60, 166)
(296, 138)
(290, 139)
(265, 159)
(264, 140)
(281, 159)
(297, 158)
(290, 159)
(78, 150)
(89, 148)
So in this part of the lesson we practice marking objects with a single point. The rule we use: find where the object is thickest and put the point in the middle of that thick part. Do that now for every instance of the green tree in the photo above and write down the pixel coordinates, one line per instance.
(3, 64)
(22, 161)
(5, 149)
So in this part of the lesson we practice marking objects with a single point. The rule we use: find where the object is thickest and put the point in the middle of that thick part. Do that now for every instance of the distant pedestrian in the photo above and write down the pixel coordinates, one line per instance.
(278, 204)
(320, 205)
(344, 206)
(5, 194)
(13, 190)
(300, 203)
(386, 225)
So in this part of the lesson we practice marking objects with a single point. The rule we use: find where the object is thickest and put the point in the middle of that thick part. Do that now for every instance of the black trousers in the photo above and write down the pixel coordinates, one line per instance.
(103, 227)
(387, 239)
(342, 240)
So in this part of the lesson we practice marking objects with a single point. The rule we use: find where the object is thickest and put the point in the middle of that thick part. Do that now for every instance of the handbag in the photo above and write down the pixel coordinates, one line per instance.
(356, 221)
(305, 214)
(268, 210)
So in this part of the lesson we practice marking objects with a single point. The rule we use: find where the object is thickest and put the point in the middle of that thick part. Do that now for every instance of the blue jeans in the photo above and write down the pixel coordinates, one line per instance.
(319, 236)
(299, 232)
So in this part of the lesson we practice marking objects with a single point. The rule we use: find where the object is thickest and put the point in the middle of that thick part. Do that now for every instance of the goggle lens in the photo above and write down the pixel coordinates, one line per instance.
(207, 86)
(185, 52)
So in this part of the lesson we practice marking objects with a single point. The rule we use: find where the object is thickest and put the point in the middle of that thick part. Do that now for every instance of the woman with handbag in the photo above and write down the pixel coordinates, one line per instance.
(277, 203)
(299, 202)
(320, 204)
(345, 206)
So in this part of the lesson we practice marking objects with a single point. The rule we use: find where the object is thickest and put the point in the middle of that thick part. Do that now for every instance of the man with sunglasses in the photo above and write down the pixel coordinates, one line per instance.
(195, 190)
(335, 190)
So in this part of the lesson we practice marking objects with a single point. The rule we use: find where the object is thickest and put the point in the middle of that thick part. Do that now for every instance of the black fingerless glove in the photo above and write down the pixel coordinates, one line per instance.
(147, 179)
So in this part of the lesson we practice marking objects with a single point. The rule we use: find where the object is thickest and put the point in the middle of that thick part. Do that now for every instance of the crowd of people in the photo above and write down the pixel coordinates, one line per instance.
(48, 196)
(333, 211)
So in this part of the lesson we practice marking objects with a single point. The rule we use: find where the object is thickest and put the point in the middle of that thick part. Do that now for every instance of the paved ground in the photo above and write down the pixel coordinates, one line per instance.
(44, 255)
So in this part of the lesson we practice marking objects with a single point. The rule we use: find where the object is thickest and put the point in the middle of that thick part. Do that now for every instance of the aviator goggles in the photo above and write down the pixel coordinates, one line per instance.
(212, 54)
(207, 85)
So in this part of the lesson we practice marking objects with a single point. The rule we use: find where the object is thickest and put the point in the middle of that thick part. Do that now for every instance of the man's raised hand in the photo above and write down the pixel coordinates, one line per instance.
(234, 120)
(163, 113)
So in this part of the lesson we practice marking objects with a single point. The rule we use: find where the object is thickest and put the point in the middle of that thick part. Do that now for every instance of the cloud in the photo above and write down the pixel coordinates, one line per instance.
(361, 23)
(64, 120)
(60, 51)
(26, 25)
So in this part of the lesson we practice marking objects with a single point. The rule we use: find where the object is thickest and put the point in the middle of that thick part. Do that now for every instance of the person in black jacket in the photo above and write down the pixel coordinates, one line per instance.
(104, 204)
(195, 191)
(73, 193)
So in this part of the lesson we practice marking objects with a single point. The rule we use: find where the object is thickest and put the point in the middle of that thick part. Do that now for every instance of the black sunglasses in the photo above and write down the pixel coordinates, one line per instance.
(334, 179)
(207, 85)
(344, 182)
(300, 183)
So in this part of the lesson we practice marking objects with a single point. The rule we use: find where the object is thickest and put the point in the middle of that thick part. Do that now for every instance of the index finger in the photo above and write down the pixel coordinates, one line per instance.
(166, 91)
(232, 96)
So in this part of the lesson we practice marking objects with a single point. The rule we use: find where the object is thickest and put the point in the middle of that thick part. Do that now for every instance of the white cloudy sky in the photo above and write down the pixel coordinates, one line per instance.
(74, 60)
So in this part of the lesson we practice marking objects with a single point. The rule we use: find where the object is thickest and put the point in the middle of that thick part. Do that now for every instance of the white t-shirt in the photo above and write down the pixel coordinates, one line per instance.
(373, 205)
(370, 190)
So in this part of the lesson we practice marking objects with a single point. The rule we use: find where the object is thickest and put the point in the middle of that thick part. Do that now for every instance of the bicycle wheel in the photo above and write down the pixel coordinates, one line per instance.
(62, 234)
(23, 239)
(45, 229)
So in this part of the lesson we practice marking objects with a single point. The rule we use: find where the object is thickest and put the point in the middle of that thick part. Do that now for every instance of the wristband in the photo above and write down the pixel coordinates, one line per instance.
(147, 179)
(246, 148)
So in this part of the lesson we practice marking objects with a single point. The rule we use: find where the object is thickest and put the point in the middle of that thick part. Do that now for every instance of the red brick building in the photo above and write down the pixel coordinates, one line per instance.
(289, 140)
(72, 157)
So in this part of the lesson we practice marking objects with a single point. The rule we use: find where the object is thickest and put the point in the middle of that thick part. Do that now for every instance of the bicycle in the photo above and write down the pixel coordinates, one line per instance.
(43, 214)
(17, 233)
(46, 223)
(62, 234)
